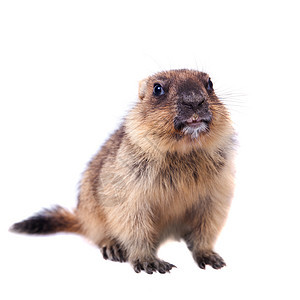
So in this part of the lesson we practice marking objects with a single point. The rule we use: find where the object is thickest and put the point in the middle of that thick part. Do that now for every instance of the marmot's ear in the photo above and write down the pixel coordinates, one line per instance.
(142, 88)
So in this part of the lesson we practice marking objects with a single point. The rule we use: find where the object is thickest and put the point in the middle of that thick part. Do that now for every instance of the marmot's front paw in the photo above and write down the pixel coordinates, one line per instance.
(152, 266)
(114, 252)
(210, 258)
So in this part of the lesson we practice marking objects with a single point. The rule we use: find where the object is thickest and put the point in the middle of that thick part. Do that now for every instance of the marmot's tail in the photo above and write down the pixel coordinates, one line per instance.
(49, 221)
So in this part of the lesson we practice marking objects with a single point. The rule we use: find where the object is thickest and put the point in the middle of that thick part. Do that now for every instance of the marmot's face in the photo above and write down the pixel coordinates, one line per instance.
(180, 102)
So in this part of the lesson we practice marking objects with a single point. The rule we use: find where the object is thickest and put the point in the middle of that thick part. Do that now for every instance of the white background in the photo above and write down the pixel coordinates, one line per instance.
(69, 71)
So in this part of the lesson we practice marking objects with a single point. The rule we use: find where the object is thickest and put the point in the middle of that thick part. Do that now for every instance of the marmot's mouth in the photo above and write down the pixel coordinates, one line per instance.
(194, 126)
(195, 121)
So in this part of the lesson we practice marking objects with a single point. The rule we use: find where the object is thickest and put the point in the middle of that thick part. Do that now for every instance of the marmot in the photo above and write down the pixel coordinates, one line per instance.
(166, 172)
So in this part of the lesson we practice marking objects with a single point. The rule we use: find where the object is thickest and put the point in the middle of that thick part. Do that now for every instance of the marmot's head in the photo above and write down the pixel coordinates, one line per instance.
(178, 107)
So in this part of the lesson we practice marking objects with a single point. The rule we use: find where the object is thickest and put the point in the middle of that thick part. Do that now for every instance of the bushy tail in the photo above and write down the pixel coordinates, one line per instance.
(49, 221)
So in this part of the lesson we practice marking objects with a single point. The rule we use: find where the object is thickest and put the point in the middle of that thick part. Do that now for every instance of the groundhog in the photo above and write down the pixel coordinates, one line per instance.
(167, 172)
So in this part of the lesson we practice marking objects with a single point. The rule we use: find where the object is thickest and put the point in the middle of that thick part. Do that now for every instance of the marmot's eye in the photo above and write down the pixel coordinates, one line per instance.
(209, 86)
(158, 90)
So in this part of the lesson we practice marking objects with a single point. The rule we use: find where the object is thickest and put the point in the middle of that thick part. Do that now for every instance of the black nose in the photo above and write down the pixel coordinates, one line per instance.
(199, 103)
(194, 105)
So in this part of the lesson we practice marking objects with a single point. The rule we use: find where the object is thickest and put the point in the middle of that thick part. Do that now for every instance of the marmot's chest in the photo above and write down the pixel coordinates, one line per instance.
(177, 178)
(180, 172)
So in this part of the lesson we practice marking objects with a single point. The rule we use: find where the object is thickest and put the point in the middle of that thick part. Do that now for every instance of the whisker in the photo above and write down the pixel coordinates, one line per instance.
(217, 103)
(232, 103)
(222, 114)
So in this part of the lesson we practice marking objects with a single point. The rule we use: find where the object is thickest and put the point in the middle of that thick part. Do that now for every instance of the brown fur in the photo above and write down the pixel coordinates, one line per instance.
(151, 181)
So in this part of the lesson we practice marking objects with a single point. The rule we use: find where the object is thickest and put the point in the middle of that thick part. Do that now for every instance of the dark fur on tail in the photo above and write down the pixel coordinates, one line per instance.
(48, 221)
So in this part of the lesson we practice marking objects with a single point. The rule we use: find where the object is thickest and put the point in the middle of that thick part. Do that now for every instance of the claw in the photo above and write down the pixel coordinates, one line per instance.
(152, 266)
(114, 253)
(210, 258)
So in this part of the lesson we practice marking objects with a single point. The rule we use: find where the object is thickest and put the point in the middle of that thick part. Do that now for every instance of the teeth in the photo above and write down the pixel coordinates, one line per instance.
(195, 118)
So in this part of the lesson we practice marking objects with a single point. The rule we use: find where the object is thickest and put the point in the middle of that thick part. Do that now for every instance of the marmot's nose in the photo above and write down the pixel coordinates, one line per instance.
(198, 104)
(195, 105)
